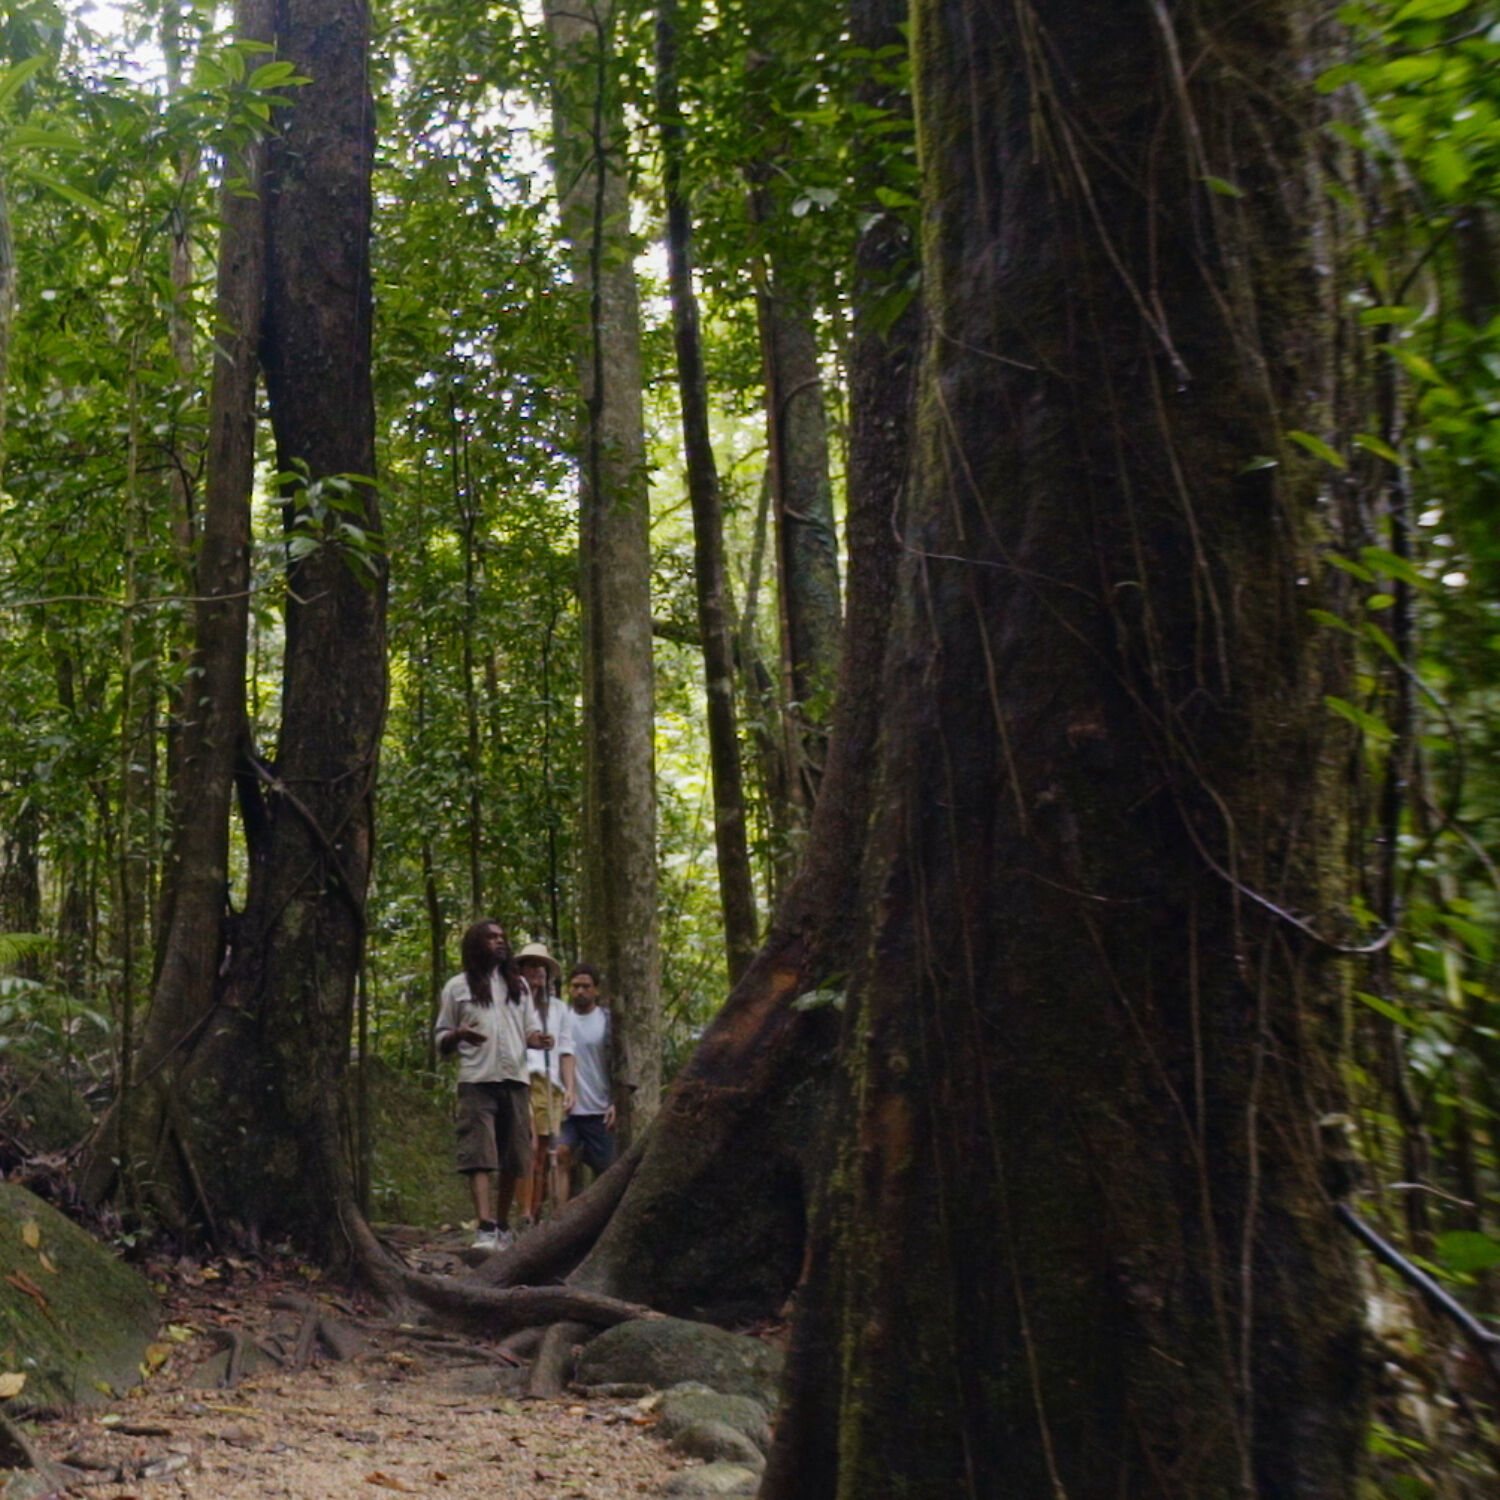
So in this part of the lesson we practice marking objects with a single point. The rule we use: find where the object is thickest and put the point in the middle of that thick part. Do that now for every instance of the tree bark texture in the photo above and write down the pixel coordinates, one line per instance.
(731, 842)
(807, 560)
(620, 931)
(1078, 1241)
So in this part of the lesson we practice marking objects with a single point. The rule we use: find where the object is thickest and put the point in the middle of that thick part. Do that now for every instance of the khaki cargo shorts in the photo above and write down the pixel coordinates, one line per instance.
(494, 1128)
(539, 1115)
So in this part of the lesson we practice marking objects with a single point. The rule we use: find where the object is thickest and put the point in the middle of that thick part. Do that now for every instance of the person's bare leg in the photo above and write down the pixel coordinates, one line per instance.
(529, 1187)
(541, 1189)
(564, 1188)
(479, 1186)
(505, 1192)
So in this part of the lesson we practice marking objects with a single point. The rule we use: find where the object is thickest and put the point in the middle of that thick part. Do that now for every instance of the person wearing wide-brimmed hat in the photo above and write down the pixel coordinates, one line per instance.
(551, 1073)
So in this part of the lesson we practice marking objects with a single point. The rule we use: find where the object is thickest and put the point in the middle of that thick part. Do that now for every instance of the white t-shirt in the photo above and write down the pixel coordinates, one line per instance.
(559, 1023)
(591, 1062)
(501, 1056)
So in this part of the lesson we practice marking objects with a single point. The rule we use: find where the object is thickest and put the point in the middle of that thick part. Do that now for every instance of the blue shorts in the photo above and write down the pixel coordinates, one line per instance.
(588, 1140)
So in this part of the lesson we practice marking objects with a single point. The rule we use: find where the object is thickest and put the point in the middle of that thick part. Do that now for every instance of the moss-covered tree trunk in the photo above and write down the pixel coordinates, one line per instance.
(1078, 1242)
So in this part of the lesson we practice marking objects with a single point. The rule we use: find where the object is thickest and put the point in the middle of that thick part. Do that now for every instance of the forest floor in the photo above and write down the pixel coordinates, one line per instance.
(408, 1410)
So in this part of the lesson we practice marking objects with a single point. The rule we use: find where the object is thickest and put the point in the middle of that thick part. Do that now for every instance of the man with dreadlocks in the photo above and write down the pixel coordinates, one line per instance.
(488, 1017)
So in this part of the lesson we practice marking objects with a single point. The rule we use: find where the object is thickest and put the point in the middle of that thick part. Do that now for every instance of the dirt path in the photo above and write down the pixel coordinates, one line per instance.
(409, 1412)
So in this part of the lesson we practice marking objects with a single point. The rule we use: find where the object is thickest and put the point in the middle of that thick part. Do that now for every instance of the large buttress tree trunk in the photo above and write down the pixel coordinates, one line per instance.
(246, 1086)
(1077, 1241)
(293, 977)
(620, 918)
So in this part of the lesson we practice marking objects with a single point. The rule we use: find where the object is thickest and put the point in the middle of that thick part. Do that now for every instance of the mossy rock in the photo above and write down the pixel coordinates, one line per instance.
(412, 1180)
(689, 1406)
(663, 1352)
(74, 1319)
(46, 1111)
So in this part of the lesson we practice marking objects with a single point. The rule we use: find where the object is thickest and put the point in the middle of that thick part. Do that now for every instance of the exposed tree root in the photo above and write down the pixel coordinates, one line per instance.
(551, 1250)
(553, 1365)
(484, 1311)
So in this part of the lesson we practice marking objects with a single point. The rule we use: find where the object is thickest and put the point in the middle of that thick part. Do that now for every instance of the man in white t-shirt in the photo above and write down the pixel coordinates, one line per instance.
(587, 1134)
(487, 1017)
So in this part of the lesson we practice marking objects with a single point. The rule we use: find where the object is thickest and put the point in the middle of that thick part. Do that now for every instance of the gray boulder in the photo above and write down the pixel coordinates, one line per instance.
(717, 1442)
(663, 1352)
(688, 1406)
(714, 1479)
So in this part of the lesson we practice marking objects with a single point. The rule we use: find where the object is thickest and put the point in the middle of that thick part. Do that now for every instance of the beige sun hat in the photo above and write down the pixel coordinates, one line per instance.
(539, 950)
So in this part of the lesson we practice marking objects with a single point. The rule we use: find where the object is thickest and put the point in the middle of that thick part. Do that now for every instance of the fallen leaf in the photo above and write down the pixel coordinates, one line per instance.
(209, 1274)
(180, 1333)
(156, 1356)
(31, 1236)
(45, 1262)
(391, 1484)
(160, 1467)
(12, 1384)
(23, 1283)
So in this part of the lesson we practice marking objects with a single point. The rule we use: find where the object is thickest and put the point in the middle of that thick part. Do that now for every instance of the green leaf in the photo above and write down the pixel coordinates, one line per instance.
(1390, 1011)
(36, 137)
(1428, 10)
(1223, 188)
(1379, 449)
(275, 75)
(1387, 564)
(1332, 621)
(1446, 168)
(1318, 448)
(1414, 364)
(13, 80)
(1366, 723)
(1259, 462)
(1347, 565)
(65, 190)
(1466, 1250)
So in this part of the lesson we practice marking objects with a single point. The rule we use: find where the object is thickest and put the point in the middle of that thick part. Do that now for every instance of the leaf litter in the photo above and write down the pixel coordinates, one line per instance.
(411, 1416)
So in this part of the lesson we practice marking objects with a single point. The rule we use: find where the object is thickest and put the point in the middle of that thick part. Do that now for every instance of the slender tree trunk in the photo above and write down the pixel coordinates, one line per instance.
(736, 890)
(437, 957)
(1080, 1242)
(807, 566)
(468, 521)
(212, 734)
(21, 882)
(620, 920)
(7, 307)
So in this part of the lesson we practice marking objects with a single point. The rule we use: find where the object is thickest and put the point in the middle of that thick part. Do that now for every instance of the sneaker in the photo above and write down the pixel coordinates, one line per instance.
(504, 1239)
(487, 1239)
